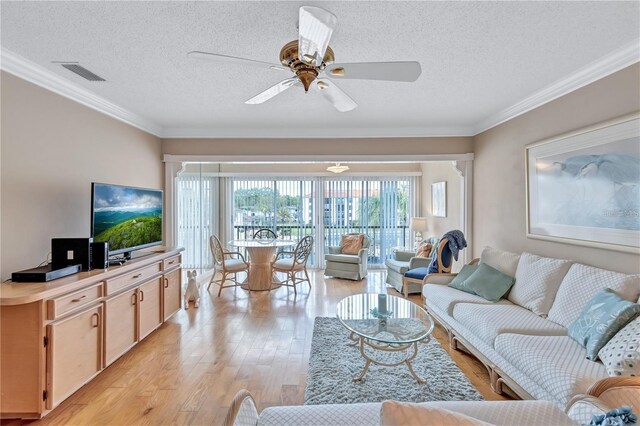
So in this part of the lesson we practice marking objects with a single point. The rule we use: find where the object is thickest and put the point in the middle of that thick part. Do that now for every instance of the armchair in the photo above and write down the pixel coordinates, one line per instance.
(403, 261)
(349, 266)
(415, 277)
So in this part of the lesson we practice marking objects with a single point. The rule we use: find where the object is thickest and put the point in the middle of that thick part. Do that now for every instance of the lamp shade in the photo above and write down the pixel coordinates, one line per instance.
(418, 224)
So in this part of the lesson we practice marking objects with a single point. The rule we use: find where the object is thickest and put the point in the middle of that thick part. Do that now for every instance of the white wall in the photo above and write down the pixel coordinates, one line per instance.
(442, 171)
(51, 150)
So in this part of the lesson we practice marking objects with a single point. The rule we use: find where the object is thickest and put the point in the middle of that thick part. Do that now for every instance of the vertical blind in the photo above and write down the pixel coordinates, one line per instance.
(284, 205)
(197, 205)
(378, 207)
(324, 207)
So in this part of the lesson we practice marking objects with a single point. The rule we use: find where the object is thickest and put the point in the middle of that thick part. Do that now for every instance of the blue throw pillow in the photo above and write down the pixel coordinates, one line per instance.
(458, 281)
(488, 283)
(601, 318)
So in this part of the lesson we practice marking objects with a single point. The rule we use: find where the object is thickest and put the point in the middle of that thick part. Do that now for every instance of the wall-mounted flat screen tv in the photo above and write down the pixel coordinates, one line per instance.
(126, 217)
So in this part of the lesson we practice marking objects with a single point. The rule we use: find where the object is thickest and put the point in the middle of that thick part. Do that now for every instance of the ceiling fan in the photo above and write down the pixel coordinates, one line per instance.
(312, 61)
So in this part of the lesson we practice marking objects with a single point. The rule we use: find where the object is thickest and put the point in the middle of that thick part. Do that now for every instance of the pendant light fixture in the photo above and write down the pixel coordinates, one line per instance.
(337, 168)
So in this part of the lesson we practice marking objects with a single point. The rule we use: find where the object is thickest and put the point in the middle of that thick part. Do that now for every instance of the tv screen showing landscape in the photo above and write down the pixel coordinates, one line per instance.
(127, 218)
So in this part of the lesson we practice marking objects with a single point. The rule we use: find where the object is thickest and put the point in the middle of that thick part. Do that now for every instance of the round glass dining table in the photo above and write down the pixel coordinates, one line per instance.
(261, 254)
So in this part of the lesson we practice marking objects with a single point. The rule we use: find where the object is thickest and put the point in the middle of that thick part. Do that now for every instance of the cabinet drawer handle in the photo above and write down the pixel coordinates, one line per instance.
(171, 263)
(166, 283)
(142, 295)
(97, 317)
(79, 298)
(136, 276)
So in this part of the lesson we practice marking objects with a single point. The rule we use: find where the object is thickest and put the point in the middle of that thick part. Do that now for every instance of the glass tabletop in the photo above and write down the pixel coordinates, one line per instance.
(262, 243)
(384, 318)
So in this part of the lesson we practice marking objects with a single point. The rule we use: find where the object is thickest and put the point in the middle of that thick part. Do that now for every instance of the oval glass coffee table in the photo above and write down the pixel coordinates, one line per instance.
(385, 323)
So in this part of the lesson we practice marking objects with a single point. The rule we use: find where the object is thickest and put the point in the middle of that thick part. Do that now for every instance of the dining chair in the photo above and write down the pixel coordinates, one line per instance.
(294, 264)
(264, 234)
(226, 265)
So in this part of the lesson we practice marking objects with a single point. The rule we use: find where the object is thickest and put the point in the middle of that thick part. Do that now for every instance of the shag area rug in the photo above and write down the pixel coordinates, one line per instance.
(333, 364)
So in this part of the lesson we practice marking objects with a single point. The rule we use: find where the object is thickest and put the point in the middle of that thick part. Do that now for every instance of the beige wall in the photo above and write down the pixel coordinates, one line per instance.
(364, 146)
(499, 176)
(51, 150)
(438, 172)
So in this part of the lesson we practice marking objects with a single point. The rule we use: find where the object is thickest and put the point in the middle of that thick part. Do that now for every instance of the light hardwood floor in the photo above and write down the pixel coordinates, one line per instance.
(188, 370)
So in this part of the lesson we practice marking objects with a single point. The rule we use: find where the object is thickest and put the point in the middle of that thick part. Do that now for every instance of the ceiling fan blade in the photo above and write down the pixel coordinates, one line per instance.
(340, 100)
(390, 71)
(273, 91)
(315, 27)
(233, 60)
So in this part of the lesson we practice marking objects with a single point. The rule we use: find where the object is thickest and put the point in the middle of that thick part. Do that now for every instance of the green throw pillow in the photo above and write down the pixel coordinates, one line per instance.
(601, 318)
(488, 283)
(459, 280)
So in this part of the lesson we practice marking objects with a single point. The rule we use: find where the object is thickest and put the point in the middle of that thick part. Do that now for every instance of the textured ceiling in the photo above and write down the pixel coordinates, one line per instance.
(478, 58)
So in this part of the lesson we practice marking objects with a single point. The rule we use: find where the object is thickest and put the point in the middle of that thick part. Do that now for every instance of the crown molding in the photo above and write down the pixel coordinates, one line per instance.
(38, 75)
(620, 58)
(319, 133)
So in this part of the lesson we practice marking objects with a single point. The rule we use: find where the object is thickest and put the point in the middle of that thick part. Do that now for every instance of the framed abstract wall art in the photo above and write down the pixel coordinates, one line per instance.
(439, 199)
(584, 187)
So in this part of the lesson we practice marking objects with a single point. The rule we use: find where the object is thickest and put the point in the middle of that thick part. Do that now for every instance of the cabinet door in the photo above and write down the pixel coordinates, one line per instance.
(120, 324)
(172, 292)
(74, 353)
(149, 306)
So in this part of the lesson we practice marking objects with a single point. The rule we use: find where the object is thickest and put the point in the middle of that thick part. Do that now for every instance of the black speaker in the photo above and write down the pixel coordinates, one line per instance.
(100, 255)
(71, 251)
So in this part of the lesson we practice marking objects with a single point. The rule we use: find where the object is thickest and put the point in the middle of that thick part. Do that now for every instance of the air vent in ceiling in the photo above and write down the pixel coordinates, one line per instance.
(82, 72)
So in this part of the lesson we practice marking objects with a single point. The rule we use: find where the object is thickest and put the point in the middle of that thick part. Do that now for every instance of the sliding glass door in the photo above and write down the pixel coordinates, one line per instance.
(378, 207)
(283, 205)
(325, 207)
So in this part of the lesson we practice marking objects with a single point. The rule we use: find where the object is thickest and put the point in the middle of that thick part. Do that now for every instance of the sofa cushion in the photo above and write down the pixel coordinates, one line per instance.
(556, 363)
(581, 283)
(445, 297)
(351, 243)
(416, 273)
(395, 413)
(489, 283)
(522, 413)
(537, 282)
(459, 281)
(503, 261)
(621, 355)
(342, 258)
(488, 321)
(398, 266)
(424, 249)
(601, 318)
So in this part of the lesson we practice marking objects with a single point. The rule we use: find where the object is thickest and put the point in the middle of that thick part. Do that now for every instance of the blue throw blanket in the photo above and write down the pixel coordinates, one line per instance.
(456, 243)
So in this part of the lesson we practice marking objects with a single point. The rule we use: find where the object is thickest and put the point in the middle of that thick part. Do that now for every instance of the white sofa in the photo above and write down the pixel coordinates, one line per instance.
(522, 339)
(243, 411)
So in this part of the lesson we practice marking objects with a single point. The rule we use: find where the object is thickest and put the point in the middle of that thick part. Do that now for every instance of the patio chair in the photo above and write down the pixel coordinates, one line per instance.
(294, 264)
(226, 265)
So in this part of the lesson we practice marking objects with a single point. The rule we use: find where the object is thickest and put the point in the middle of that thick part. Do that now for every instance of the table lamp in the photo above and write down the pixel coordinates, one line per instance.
(418, 225)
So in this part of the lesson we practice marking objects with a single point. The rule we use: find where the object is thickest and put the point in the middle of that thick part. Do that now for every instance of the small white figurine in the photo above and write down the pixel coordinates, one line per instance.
(193, 290)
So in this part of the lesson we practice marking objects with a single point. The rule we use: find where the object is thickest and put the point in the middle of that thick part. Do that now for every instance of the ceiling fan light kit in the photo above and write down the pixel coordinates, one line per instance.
(312, 60)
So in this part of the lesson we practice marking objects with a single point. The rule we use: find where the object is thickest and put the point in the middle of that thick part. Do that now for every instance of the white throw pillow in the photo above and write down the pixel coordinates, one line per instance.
(621, 355)
(537, 282)
(394, 413)
(581, 283)
(504, 261)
